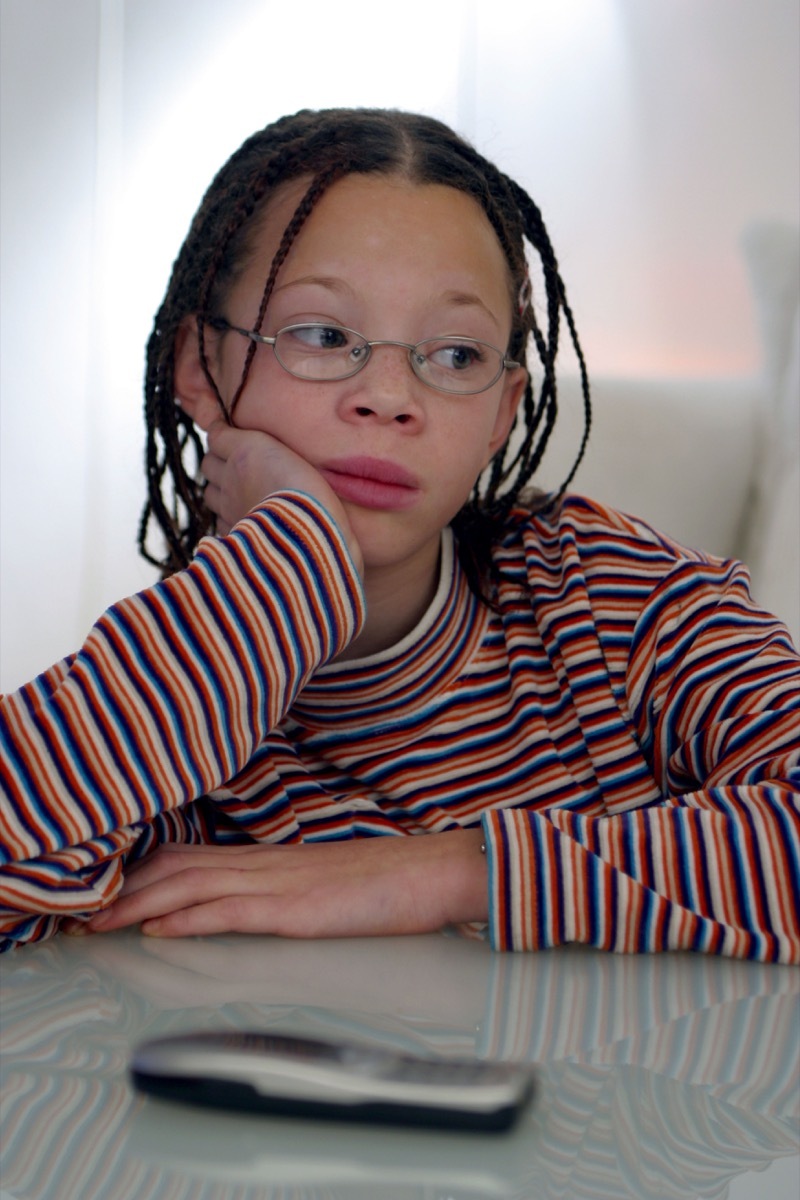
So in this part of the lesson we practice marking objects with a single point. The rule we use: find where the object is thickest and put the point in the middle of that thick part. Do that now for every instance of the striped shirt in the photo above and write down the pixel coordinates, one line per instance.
(625, 725)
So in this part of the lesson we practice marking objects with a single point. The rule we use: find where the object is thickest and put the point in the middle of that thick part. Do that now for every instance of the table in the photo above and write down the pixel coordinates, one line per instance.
(658, 1077)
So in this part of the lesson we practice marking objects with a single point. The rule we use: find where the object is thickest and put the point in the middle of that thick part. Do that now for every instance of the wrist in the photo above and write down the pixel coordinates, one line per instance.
(470, 877)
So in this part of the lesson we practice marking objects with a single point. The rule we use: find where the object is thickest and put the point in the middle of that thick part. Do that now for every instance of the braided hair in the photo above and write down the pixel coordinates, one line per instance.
(325, 146)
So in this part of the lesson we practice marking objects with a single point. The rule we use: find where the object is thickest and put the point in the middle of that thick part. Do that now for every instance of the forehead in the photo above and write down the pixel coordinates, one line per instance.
(370, 219)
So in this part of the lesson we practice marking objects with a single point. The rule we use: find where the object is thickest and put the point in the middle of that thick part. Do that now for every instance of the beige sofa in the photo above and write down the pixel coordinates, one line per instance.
(714, 463)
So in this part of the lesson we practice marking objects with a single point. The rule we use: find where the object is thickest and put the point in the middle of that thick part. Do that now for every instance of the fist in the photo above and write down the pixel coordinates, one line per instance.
(245, 466)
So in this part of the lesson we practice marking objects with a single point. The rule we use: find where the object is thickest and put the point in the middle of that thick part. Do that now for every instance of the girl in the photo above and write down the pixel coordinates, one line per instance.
(594, 729)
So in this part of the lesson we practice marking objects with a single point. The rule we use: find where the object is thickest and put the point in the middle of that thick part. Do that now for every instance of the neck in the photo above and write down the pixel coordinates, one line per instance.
(397, 598)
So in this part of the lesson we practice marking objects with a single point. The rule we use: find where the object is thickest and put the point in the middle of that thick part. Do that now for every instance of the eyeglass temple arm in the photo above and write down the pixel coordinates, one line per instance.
(221, 324)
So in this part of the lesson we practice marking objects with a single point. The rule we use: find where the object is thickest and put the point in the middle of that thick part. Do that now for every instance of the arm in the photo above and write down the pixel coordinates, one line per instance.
(714, 690)
(713, 871)
(352, 888)
(166, 700)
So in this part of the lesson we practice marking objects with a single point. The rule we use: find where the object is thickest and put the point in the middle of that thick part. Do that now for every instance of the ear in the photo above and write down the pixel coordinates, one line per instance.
(513, 390)
(193, 391)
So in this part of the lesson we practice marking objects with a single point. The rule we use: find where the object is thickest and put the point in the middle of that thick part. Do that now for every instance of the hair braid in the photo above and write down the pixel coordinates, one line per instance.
(301, 214)
(537, 234)
(506, 483)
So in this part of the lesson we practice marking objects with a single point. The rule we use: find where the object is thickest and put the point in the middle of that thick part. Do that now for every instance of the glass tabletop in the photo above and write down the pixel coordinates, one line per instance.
(664, 1077)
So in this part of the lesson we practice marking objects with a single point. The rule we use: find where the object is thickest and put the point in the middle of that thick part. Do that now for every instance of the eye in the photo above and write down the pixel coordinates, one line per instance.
(456, 355)
(319, 337)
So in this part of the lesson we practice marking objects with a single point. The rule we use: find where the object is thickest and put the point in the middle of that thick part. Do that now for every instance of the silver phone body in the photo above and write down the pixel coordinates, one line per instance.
(300, 1076)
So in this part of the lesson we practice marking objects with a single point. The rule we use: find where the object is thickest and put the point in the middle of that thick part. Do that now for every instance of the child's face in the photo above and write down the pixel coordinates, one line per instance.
(392, 261)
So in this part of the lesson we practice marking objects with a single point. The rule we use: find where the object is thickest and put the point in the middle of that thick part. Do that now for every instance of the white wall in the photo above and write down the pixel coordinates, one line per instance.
(651, 132)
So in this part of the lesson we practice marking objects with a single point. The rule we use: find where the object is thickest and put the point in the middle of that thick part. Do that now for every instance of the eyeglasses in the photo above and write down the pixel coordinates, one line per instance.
(328, 352)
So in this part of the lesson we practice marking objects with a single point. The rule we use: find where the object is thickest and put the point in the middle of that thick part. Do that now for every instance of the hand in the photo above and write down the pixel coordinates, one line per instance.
(370, 886)
(245, 466)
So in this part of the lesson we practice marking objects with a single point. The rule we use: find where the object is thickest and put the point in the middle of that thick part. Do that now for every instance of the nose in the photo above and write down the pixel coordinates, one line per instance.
(386, 389)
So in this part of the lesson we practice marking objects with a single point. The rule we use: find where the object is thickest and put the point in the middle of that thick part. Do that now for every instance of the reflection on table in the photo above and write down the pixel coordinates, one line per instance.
(658, 1076)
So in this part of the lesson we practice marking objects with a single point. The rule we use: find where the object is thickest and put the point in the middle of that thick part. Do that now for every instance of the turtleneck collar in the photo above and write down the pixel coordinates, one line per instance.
(386, 685)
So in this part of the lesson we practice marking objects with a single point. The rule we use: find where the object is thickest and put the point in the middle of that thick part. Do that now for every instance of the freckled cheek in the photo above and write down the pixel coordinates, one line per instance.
(270, 400)
(470, 432)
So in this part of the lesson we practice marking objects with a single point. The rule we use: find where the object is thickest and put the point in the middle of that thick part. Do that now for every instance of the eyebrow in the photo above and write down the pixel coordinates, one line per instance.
(332, 283)
(468, 300)
(327, 281)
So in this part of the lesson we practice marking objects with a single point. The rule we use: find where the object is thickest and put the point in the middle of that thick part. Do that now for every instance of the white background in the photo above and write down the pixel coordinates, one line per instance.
(651, 133)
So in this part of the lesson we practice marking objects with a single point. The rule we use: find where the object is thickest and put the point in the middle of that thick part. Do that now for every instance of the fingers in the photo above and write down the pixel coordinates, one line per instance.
(174, 858)
(221, 437)
(242, 467)
(165, 897)
(182, 890)
(214, 467)
(224, 914)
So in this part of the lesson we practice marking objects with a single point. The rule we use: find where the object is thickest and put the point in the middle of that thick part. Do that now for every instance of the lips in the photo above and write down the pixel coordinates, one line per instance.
(371, 482)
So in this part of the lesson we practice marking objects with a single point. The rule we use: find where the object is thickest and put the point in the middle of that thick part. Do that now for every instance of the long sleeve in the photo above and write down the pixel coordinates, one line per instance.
(713, 691)
(167, 699)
